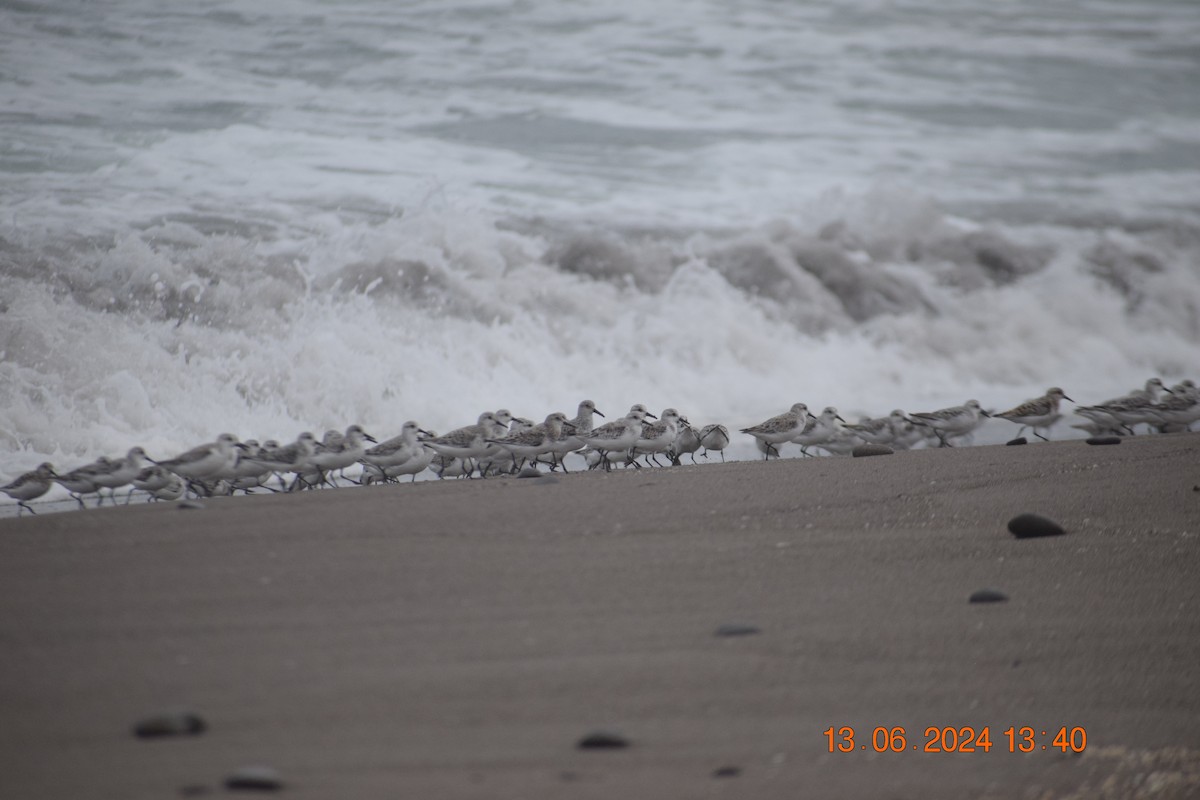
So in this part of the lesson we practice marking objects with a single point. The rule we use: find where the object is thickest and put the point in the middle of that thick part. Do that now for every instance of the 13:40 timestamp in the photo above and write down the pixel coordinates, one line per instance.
(966, 739)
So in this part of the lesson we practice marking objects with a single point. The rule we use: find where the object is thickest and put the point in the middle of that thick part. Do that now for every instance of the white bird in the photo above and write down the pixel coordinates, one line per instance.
(206, 460)
(617, 436)
(30, 486)
(715, 437)
(1040, 412)
(820, 431)
(779, 429)
(533, 442)
(952, 422)
(657, 437)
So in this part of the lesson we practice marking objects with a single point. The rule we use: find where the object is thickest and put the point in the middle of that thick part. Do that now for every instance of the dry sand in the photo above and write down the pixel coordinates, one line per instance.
(455, 639)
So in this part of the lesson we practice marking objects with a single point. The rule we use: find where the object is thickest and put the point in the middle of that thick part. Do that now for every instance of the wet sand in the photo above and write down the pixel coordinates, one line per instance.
(455, 639)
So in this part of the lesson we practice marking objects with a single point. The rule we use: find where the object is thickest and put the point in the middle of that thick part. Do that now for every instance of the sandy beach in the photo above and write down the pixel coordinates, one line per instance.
(457, 638)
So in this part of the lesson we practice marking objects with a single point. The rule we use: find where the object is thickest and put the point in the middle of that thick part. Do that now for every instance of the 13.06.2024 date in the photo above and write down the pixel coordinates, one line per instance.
(959, 740)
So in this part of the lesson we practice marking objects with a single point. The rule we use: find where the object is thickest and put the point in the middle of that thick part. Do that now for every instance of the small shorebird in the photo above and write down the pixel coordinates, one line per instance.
(30, 486)
(820, 430)
(532, 442)
(779, 429)
(715, 437)
(469, 442)
(953, 421)
(1040, 412)
(617, 436)
(206, 460)
(657, 437)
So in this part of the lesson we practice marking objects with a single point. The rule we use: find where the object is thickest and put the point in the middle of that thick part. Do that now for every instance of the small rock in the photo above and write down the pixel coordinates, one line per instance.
(170, 723)
(736, 629)
(1104, 440)
(529, 472)
(1018, 440)
(1031, 526)
(189, 505)
(255, 779)
(864, 450)
(727, 772)
(602, 740)
(988, 596)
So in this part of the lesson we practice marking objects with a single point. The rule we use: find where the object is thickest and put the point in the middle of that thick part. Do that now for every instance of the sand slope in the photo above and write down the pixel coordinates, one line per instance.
(455, 639)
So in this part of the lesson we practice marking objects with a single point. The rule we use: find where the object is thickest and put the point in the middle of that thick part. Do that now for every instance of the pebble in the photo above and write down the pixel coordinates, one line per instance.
(602, 740)
(189, 505)
(1018, 440)
(1104, 440)
(736, 629)
(256, 778)
(1031, 526)
(864, 450)
(170, 723)
(988, 596)
(727, 772)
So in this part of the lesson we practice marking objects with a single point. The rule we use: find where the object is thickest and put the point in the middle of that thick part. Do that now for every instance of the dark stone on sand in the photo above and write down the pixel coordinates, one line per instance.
(988, 596)
(864, 450)
(170, 723)
(1031, 526)
(529, 472)
(189, 505)
(736, 629)
(602, 740)
(727, 772)
(1018, 440)
(254, 779)
(1104, 440)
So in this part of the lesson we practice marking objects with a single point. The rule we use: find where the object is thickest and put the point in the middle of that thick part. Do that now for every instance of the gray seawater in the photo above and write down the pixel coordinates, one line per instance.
(295, 215)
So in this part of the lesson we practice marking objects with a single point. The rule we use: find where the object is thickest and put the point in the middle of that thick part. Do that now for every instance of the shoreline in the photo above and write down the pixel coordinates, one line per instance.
(455, 639)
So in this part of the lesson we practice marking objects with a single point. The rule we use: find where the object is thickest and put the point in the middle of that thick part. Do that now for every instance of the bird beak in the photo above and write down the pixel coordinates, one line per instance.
(596, 411)
(839, 418)
(1067, 398)
(569, 428)
(985, 413)
(370, 438)
(651, 416)
(424, 432)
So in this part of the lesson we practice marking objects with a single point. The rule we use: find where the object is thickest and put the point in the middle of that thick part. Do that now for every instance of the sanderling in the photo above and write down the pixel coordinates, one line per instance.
(1178, 411)
(292, 458)
(715, 437)
(172, 491)
(418, 461)
(205, 461)
(657, 437)
(818, 431)
(119, 472)
(1040, 412)
(780, 429)
(30, 486)
(880, 430)
(530, 443)
(1121, 413)
(396, 450)
(78, 482)
(954, 421)
(337, 456)
(617, 436)
(469, 442)
(687, 442)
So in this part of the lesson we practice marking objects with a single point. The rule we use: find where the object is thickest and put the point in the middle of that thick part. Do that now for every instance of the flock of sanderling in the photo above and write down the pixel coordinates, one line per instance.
(501, 443)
